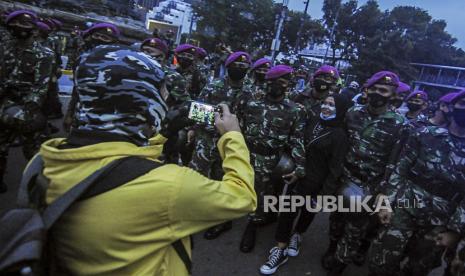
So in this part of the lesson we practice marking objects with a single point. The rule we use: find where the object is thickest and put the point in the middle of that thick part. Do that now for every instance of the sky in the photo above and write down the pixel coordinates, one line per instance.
(452, 11)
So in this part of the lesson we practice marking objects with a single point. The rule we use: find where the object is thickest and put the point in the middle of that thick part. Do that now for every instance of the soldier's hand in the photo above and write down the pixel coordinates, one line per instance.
(290, 178)
(226, 122)
(447, 239)
(384, 216)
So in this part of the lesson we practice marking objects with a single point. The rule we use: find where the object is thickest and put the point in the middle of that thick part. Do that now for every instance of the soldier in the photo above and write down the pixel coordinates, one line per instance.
(206, 159)
(27, 73)
(175, 83)
(258, 83)
(417, 103)
(185, 55)
(398, 102)
(272, 127)
(75, 46)
(324, 81)
(430, 178)
(6, 45)
(442, 114)
(374, 131)
(97, 34)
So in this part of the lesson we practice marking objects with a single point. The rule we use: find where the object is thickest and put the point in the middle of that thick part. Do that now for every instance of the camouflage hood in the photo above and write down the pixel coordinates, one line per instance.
(119, 92)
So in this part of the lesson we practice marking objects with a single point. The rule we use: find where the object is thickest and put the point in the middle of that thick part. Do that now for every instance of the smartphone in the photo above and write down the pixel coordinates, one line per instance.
(202, 113)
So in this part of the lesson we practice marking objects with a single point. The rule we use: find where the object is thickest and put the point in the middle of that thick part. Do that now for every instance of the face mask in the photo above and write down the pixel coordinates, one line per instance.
(321, 86)
(276, 90)
(185, 62)
(459, 116)
(236, 73)
(21, 33)
(260, 76)
(396, 102)
(377, 100)
(414, 106)
(330, 108)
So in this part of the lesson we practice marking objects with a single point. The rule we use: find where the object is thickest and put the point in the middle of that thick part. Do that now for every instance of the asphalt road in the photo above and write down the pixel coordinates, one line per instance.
(221, 257)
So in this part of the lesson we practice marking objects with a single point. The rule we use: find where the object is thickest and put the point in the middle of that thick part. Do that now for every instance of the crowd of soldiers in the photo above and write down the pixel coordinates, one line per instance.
(305, 136)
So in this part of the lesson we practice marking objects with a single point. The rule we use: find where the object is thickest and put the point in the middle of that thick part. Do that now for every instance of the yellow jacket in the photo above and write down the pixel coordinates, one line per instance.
(129, 230)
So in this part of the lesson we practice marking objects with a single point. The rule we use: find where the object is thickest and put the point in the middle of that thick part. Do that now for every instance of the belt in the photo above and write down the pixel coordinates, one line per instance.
(263, 150)
(447, 191)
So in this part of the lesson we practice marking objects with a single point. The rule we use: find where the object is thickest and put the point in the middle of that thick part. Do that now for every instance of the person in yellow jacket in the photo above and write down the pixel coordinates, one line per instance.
(129, 230)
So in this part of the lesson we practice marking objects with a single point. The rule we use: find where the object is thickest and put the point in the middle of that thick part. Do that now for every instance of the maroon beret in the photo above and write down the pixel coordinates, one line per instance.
(43, 27)
(383, 77)
(108, 27)
(327, 69)
(261, 62)
(402, 88)
(418, 95)
(237, 56)
(447, 98)
(184, 48)
(156, 43)
(201, 53)
(460, 95)
(25, 13)
(278, 71)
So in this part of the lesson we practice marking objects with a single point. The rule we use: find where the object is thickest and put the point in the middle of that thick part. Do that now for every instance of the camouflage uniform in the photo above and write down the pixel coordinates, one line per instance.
(430, 177)
(6, 45)
(373, 144)
(311, 104)
(257, 89)
(271, 128)
(52, 105)
(27, 73)
(177, 87)
(206, 159)
(195, 80)
(420, 121)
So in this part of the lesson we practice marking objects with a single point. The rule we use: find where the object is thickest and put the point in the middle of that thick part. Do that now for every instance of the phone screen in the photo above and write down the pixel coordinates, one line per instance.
(202, 113)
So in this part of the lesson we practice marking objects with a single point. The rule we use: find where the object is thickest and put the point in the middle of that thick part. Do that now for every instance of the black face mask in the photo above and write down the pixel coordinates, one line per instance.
(21, 33)
(321, 86)
(260, 77)
(414, 106)
(185, 62)
(396, 102)
(236, 73)
(459, 116)
(275, 90)
(377, 100)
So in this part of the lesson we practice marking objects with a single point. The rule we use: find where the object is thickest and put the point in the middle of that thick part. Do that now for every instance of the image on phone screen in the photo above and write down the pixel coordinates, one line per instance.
(202, 113)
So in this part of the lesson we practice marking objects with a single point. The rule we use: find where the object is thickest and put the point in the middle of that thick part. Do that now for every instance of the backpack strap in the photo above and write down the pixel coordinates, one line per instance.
(35, 168)
(113, 175)
(183, 255)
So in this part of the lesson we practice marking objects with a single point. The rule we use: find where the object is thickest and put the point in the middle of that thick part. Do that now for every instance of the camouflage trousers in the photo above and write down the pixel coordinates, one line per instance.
(52, 104)
(265, 184)
(206, 159)
(403, 239)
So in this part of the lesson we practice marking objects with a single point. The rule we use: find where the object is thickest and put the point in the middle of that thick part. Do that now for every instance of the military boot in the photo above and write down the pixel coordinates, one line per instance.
(248, 238)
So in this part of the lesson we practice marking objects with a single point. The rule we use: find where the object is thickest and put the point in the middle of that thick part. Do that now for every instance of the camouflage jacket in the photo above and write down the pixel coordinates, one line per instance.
(258, 90)
(28, 69)
(54, 43)
(373, 145)
(219, 92)
(195, 80)
(273, 127)
(430, 172)
(420, 121)
(312, 106)
(6, 45)
(176, 85)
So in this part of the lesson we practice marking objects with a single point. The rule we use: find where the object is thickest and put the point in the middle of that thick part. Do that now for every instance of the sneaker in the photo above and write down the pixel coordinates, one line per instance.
(277, 258)
(294, 245)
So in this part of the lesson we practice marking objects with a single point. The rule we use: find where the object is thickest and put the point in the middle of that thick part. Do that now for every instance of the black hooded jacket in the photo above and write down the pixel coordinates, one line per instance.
(326, 145)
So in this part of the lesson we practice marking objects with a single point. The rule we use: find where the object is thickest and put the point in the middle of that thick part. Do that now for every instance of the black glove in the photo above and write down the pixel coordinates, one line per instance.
(175, 120)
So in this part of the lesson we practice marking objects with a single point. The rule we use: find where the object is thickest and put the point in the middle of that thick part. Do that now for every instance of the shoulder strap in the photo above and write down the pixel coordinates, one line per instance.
(32, 171)
(183, 255)
(111, 176)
